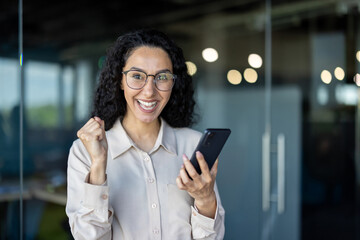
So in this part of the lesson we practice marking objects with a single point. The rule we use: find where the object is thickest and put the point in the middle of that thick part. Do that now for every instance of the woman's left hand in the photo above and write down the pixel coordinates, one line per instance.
(200, 187)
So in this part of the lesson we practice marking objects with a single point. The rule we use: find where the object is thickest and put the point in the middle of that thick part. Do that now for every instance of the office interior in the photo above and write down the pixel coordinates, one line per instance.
(278, 73)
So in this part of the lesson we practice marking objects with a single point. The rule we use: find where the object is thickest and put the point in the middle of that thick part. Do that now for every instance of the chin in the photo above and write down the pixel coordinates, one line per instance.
(148, 119)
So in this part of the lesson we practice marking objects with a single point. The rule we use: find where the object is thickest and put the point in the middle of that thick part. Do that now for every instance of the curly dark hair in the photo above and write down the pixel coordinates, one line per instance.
(109, 100)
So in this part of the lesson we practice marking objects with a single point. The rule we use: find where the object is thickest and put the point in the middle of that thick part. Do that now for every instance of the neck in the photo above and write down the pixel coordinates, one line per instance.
(143, 134)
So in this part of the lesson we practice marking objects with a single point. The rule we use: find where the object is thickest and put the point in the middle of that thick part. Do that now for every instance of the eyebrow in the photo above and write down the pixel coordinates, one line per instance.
(142, 70)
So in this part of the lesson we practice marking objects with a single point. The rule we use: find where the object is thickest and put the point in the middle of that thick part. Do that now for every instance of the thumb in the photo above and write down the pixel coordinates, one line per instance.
(97, 119)
(101, 122)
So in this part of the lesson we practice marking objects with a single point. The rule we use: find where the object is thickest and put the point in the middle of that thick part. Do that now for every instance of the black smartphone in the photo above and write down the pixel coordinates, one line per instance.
(210, 145)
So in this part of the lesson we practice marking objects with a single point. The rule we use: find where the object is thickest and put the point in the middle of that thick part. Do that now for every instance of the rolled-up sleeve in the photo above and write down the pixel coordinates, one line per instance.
(90, 215)
(208, 228)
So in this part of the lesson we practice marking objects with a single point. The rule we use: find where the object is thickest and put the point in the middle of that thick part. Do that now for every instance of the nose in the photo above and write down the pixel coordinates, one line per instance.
(150, 88)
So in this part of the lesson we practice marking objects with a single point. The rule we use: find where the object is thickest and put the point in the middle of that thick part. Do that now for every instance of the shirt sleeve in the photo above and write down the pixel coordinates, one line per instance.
(208, 228)
(88, 209)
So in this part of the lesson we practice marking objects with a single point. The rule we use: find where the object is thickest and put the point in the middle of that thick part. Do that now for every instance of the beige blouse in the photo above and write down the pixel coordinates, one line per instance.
(140, 191)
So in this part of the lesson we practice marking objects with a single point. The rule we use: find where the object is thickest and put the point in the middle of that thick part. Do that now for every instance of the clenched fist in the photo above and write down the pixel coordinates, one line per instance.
(92, 135)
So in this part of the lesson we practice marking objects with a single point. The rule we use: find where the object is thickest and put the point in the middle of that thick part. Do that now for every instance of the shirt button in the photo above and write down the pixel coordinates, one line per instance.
(150, 180)
(104, 196)
(153, 205)
(146, 159)
(156, 231)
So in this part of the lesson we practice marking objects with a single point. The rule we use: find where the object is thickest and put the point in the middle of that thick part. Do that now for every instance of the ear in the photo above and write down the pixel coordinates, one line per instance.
(121, 85)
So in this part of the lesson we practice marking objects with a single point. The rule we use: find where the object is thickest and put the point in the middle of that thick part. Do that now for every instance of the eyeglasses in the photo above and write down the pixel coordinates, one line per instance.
(136, 79)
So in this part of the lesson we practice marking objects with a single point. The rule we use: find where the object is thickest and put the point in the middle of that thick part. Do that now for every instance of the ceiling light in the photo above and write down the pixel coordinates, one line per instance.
(255, 60)
(357, 79)
(339, 73)
(326, 76)
(210, 54)
(234, 77)
(250, 75)
(191, 67)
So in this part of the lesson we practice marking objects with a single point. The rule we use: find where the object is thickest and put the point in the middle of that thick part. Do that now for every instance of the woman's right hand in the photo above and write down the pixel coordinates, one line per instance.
(92, 135)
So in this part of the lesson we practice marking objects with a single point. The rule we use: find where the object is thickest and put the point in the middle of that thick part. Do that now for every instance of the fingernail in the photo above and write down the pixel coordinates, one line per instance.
(184, 157)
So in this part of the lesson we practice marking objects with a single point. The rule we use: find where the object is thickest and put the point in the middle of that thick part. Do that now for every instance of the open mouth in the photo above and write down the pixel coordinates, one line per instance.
(147, 106)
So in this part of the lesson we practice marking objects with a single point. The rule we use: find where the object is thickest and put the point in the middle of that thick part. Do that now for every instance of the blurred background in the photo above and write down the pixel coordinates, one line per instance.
(278, 73)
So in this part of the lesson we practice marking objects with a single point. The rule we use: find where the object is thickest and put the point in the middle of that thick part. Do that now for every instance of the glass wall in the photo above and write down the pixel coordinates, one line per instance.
(315, 49)
(9, 125)
(279, 74)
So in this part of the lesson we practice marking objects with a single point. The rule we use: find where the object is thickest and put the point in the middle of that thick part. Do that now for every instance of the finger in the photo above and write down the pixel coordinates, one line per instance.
(93, 127)
(90, 136)
(92, 132)
(184, 176)
(90, 125)
(82, 129)
(214, 168)
(180, 184)
(96, 118)
(202, 163)
(190, 168)
(103, 124)
(98, 133)
(78, 133)
(89, 122)
(97, 128)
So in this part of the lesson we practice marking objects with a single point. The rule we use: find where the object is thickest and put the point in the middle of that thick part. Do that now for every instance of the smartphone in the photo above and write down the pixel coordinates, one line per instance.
(210, 145)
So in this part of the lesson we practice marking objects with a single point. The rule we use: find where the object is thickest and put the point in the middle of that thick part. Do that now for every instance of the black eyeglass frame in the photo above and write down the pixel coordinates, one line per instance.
(146, 80)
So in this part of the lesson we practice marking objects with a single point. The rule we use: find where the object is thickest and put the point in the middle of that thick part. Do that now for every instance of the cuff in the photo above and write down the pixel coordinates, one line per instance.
(96, 196)
(201, 226)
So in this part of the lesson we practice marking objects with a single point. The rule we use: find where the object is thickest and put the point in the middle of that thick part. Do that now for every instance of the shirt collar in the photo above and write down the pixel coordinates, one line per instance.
(166, 138)
(119, 142)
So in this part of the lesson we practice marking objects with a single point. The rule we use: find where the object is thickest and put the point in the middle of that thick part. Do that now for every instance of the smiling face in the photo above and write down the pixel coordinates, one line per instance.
(145, 105)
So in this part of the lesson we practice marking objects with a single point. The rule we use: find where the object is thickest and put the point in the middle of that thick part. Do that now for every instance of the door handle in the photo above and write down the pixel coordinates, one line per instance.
(266, 171)
(281, 173)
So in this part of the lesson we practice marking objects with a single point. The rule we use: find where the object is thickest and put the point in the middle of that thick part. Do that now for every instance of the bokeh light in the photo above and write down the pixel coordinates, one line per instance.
(234, 77)
(357, 79)
(339, 73)
(255, 60)
(250, 75)
(210, 54)
(326, 76)
(191, 67)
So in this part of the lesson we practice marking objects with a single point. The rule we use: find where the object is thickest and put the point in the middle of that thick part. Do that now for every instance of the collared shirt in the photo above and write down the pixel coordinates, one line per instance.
(140, 198)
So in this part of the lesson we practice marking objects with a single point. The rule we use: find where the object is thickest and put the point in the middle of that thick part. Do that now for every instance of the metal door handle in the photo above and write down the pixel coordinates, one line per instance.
(266, 171)
(281, 173)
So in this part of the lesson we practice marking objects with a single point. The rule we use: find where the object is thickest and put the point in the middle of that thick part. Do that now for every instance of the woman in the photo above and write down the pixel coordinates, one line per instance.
(128, 173)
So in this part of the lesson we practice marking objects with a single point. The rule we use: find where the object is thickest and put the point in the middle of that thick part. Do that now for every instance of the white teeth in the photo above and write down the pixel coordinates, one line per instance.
(147, 105)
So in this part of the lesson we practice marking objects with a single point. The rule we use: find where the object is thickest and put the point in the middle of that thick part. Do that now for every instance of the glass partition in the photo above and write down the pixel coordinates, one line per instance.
(9, 154)
(279, 74)
(10, 189)
(314, 49)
